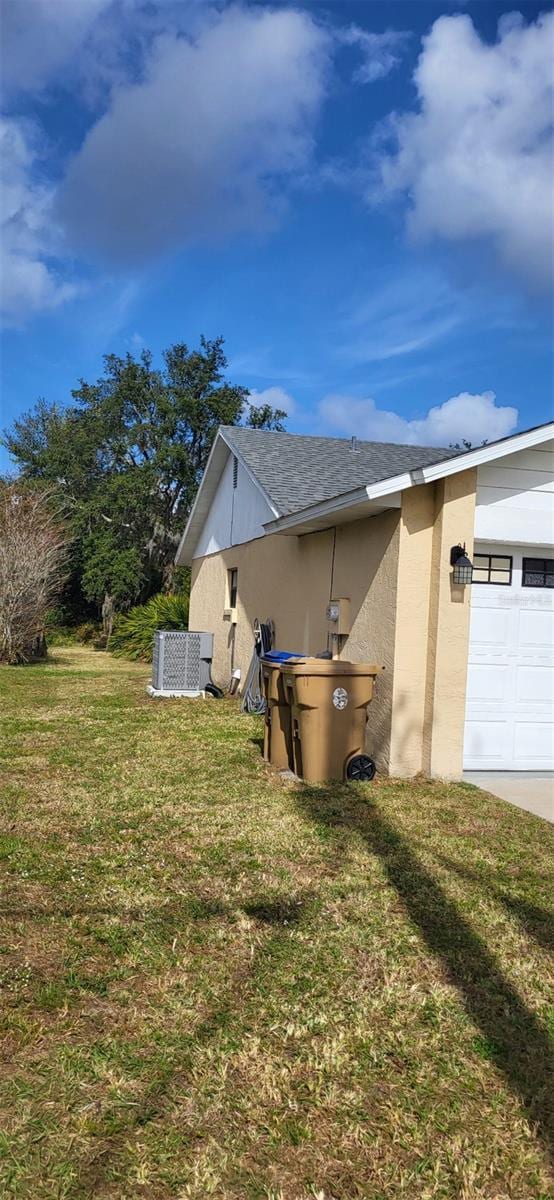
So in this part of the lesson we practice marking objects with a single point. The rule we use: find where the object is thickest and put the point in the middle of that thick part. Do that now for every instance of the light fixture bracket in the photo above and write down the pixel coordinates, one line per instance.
(456, 553)
(462, 565)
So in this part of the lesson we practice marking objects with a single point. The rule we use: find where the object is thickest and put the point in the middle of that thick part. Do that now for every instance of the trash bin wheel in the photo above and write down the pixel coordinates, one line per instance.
(360, 768)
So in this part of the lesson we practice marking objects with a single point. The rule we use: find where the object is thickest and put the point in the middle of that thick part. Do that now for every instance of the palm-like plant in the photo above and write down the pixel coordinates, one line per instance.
(133, 634)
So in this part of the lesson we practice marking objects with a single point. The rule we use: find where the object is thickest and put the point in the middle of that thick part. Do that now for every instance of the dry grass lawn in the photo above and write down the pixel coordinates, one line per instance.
(218, 986)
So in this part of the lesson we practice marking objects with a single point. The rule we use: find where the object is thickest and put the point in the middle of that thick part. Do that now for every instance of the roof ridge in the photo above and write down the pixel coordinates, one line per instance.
(346, 441)
(449, 451)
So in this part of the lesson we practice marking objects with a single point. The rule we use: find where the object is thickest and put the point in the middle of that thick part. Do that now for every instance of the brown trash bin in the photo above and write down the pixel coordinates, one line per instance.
(277, 724)
(328, 700)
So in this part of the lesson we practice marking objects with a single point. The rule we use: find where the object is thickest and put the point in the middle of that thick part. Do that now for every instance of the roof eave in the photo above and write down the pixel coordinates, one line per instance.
(387, 490)
(373, 498)
(361, 501)
(487, 453)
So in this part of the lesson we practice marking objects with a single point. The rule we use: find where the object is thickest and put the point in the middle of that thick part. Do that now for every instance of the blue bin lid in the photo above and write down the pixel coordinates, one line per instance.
(281, 655)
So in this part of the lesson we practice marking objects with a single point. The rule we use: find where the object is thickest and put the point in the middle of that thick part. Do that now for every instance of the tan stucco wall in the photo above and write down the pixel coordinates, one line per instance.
(366, 569)
(291, 580)
(406, 616)
(445, 692)
(412, 628)
(432, 630)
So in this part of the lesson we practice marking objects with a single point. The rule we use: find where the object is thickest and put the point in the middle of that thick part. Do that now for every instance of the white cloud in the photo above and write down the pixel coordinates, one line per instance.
(276, 397)
(476, 160)
(475, 417)
(406, 311)
(39, 37)
(197, 149)
(258, 363)
(404, 314)
(381, 52)
(29, 280)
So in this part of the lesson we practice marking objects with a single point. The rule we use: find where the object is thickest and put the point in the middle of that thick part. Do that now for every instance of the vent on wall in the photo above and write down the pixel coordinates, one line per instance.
(181, 663)
(235, 470)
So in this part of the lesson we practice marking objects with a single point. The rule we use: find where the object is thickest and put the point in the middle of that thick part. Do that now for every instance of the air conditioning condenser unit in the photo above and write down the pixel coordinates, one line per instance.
(181, 663)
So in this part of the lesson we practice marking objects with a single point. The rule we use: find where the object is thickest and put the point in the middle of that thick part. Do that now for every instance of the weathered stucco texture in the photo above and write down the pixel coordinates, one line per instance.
(405, 615)
(412, 630)
(432, 630)
(366, 569)
(291, 579)
(448, 640)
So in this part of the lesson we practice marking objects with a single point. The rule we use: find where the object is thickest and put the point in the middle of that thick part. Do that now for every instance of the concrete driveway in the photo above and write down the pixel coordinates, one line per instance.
(532, 790)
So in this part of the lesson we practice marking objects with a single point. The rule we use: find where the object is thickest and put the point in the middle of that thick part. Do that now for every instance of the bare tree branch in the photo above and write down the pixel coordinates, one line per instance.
(32, 559)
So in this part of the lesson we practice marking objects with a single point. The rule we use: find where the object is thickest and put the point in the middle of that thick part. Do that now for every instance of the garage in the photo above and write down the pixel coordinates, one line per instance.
(510, 687)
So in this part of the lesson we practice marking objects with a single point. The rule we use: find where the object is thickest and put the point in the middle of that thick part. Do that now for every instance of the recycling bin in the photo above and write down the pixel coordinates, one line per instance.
(328, 706)
(277, 724)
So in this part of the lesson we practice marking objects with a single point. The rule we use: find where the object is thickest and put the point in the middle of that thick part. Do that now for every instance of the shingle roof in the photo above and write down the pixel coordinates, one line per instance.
(297, 470)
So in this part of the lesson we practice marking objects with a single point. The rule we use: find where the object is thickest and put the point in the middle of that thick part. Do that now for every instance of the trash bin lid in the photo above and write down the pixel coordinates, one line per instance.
(332, 666)
(277, 656)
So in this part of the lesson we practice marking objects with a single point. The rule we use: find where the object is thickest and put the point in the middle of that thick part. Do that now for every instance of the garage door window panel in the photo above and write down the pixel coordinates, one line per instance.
(493, 568)
(538, 572)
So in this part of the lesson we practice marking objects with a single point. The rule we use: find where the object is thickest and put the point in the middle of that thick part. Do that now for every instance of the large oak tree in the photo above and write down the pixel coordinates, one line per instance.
(127, 457)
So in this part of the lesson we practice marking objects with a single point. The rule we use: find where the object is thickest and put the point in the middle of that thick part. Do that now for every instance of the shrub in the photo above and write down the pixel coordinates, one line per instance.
(133, 634)
(86, 632)
(58, 633)
(32, 561)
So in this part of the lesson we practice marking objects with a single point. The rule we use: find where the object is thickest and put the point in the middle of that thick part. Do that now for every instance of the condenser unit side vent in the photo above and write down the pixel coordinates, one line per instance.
(181, 663)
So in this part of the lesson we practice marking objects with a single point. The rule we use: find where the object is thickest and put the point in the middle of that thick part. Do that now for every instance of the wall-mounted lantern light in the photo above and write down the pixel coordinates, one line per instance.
(462, 565)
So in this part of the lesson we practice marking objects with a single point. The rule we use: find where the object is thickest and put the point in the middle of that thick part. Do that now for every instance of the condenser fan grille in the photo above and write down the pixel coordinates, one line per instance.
(181, 662)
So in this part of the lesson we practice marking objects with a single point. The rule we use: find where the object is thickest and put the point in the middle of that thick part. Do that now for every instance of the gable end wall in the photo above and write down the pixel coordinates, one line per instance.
(237, 514)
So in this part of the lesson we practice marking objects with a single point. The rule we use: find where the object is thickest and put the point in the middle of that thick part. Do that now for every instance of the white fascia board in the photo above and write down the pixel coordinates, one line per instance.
(218, 456)
(322, 509)
(375, 491)
(485, 454)
(337, 504)
(387, 487)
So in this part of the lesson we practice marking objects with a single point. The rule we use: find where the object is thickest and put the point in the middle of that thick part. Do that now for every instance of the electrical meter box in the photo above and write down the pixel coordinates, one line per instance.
(338, 616)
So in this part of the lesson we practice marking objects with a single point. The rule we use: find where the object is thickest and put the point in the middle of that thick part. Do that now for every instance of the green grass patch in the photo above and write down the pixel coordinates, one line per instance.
(215, 985)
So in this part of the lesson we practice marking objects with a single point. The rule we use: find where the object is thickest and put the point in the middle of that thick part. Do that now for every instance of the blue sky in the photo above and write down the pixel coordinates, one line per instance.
(357, 196)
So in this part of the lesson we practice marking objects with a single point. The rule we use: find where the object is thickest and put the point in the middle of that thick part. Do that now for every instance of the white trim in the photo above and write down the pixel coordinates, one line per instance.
(337, 504)
(506, 541)
(484, 454)
(198, 500)
(387, 488)
(317, 510)
(384, 488)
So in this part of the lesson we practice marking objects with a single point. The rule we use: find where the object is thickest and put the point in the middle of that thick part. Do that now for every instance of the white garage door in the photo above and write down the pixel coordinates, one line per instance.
(510, 687)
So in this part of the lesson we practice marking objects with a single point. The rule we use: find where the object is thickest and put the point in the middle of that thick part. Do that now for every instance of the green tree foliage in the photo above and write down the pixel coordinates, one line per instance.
(465, 444)
(127, 457)
(133, 634)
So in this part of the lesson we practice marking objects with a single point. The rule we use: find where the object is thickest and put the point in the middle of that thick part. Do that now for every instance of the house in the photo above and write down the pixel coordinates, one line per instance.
(283, 523)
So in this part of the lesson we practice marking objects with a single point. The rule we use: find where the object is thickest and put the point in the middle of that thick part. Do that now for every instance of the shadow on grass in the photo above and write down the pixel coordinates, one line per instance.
(516, 1041)
(280, 911)
(537, 922)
